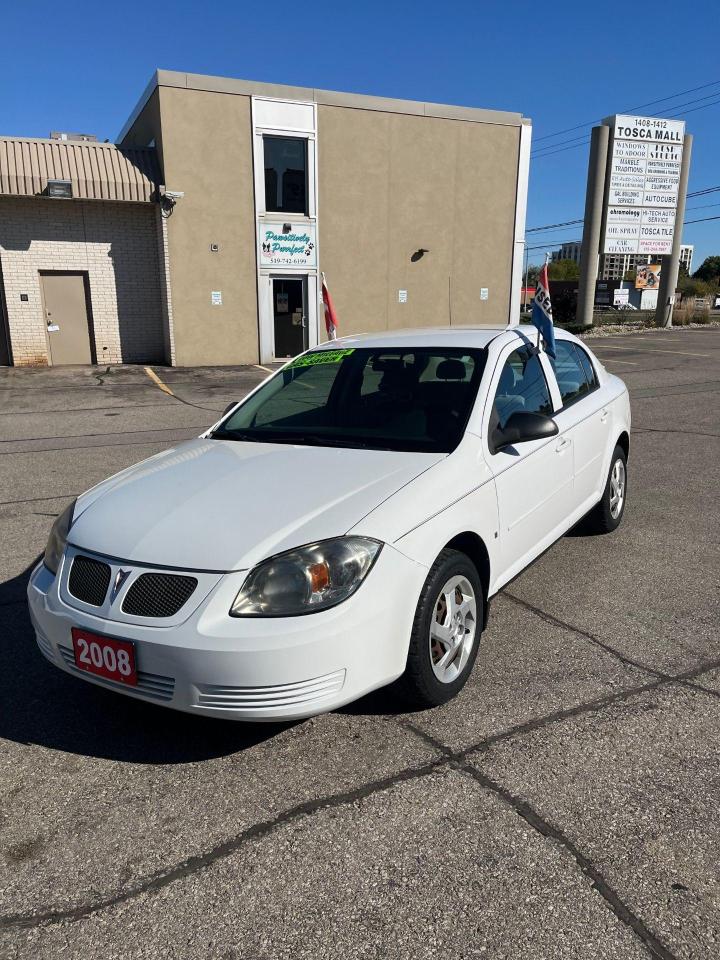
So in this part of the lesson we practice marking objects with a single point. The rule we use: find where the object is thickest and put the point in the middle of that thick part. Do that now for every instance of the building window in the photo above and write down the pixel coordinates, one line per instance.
(285, 174)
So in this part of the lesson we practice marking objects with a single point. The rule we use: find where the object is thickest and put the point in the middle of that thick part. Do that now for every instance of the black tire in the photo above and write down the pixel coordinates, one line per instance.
(419, 687)
(601, 519)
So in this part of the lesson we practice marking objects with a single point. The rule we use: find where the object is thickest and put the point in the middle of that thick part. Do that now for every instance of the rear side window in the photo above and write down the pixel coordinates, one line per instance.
(589, 369)
(522, 386)
(573, 370)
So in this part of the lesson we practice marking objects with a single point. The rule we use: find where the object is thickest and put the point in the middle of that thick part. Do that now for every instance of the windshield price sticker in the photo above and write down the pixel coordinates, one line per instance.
(321, 356)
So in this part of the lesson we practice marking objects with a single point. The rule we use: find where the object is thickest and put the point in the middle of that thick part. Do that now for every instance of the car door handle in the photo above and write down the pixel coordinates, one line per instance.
(562, 443)
(604, 415)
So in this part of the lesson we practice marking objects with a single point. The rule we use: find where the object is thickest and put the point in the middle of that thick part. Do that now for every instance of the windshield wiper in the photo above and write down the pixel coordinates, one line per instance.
(222, 434)
(313, 439)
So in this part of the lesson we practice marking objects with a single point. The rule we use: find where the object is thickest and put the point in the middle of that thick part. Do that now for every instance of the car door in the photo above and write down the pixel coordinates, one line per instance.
(584, 417)
(533, 480)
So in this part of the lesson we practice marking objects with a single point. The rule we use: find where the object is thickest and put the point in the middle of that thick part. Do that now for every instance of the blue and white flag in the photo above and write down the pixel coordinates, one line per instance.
(542, 312)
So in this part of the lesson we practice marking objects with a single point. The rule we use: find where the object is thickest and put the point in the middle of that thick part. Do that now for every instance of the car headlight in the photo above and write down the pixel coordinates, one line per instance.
(58, 539)
(306, 579)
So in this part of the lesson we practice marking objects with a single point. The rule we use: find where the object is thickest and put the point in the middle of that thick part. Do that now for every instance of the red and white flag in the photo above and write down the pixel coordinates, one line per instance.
(330, 315)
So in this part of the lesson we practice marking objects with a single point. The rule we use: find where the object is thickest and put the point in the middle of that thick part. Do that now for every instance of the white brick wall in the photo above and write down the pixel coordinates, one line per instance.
(120, 245)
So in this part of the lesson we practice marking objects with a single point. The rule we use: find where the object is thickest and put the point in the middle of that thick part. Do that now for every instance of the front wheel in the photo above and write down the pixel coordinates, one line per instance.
(608, 514)
(446, 632)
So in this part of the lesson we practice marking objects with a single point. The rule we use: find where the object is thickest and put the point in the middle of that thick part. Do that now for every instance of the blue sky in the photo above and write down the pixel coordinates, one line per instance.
(82, 66)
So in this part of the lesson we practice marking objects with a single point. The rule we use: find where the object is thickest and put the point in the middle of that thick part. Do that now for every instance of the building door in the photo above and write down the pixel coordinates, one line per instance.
(65, 303)
(290, 324)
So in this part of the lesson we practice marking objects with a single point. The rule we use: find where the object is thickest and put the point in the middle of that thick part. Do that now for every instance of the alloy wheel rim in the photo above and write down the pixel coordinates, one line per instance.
(452, 629)
(617, 488)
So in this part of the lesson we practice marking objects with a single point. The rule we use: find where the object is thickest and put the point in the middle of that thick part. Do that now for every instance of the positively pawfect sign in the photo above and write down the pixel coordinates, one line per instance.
(287, 244)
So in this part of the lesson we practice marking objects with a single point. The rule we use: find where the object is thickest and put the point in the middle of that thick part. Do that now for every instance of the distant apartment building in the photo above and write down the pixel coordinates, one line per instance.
(568, 251)
(686, 256)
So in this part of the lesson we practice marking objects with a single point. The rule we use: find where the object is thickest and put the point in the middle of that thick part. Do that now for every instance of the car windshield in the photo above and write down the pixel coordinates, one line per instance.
(412, 399)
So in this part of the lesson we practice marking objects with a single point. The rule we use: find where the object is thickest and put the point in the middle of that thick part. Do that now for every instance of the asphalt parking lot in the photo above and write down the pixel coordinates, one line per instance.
(565, 805)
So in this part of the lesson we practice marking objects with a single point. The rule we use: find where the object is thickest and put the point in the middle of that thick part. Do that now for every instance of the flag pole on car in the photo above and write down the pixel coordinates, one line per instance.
(541, 316)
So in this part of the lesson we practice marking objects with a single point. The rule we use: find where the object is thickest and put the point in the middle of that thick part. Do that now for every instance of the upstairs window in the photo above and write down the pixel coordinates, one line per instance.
(285, 175)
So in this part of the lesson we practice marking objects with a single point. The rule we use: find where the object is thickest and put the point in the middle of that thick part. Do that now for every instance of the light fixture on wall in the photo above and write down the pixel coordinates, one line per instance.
(168, 199)
(419, 254)
(59, 189)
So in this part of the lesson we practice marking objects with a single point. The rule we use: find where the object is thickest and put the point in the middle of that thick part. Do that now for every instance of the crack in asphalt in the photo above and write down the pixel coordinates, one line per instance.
(673, 390)
(59, 496)
(106, 434)
(542, 826)
(96, 446)
(191, 865)
(684, 433)
(608, 648)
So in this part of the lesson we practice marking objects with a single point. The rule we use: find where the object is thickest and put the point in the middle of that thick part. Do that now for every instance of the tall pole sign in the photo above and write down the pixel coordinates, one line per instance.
(643, 182)
(635, 201)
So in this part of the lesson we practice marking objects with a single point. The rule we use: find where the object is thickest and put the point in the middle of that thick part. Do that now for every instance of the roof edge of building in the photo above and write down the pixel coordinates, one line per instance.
(358, 101)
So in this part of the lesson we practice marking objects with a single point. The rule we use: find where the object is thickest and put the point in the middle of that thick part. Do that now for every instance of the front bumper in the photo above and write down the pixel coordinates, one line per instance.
(283, 668)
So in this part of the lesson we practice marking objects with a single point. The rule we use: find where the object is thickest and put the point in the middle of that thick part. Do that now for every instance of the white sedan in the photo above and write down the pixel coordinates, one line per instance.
(341, 528)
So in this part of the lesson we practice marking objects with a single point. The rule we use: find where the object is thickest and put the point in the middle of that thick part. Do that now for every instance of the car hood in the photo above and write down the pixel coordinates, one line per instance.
(226, 505)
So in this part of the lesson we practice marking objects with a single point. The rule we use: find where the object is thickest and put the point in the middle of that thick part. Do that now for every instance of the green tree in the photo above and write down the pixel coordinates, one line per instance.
(532, 276)
(690, 287)
(563, 270)
(709, 270)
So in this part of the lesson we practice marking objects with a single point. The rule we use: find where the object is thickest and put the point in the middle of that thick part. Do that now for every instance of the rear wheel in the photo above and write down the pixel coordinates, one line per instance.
(608, 514)
(446, 632)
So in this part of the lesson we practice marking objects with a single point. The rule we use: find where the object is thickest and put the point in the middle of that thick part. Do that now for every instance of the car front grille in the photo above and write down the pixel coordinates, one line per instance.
(268, 698)
(89, 580)
(150, 684)
(158, 595)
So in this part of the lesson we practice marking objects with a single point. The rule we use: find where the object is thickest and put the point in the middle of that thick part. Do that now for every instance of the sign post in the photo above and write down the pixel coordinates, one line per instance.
(591, 229)
(671, 264)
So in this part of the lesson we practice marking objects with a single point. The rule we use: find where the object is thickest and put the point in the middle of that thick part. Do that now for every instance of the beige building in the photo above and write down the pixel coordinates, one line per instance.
(414, 211)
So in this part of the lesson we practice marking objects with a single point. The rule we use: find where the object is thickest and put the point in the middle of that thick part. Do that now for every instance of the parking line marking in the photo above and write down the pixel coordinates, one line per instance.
(261, 367)
(679, 353)
(158, 382)
(631, 363)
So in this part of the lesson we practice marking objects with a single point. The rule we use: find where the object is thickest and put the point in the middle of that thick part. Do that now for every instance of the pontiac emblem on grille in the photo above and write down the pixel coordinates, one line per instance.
(120, 578)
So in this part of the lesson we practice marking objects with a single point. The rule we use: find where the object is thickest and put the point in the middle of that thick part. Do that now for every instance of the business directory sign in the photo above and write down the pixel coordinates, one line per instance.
(643, 185)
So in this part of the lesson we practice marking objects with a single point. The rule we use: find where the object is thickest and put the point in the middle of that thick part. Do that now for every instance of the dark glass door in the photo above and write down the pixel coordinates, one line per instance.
(289, 315)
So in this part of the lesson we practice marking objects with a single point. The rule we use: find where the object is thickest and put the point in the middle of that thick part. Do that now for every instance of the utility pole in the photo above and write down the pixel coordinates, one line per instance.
(589, 251)
(670, 264)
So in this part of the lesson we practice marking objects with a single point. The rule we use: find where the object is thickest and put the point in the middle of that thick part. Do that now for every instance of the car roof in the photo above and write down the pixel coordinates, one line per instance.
(432, 337)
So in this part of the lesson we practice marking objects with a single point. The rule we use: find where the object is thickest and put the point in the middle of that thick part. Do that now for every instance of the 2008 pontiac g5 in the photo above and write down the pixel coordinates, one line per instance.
(340, 529)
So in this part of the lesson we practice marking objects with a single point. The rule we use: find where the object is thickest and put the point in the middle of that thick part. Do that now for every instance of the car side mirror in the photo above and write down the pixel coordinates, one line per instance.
(521, 427)
(228, 408)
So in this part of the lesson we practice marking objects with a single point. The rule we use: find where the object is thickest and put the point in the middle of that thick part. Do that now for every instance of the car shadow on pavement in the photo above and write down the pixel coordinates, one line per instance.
(40, 704)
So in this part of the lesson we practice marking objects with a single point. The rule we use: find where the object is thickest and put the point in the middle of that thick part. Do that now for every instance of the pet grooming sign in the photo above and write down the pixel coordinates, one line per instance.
(282, 244)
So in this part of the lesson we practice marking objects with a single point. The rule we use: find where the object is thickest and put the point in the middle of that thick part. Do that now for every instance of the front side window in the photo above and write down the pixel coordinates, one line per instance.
(573, 370)
(390, 399)
(285, 174)
(522, 387)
